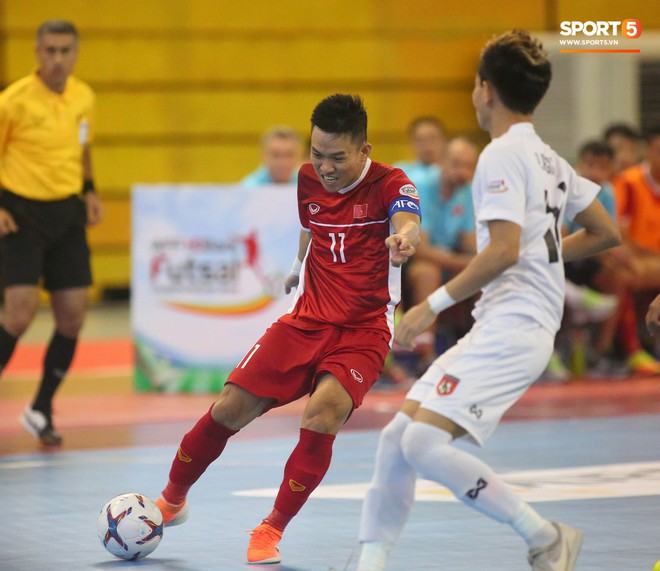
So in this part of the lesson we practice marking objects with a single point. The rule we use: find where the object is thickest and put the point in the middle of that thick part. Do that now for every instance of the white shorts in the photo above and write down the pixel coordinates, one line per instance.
(475, 382)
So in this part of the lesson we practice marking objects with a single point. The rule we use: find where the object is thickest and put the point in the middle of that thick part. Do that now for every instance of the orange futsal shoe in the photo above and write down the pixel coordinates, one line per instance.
(263, 545)
(172, 514)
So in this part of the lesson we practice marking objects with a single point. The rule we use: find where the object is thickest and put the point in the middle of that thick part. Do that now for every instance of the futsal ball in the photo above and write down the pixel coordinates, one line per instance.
(130, 526)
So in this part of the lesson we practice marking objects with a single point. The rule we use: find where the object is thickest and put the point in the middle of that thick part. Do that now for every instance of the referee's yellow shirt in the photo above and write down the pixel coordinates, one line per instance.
(42, 136)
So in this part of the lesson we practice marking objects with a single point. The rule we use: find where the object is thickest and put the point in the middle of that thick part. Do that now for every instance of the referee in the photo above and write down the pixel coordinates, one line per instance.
(47, 199)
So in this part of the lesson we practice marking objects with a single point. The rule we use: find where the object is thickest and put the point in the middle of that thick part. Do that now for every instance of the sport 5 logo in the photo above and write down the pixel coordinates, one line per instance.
(630, 28)
(447, 385)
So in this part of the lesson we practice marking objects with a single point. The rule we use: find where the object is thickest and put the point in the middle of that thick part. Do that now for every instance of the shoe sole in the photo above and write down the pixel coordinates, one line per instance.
(270, 561)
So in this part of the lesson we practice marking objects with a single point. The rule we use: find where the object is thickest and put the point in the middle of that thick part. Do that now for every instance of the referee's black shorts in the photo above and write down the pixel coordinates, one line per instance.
(51, 243)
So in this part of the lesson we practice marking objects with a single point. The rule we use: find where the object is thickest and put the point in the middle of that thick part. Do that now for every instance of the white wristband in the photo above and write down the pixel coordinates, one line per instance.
(295, 269)
(440, 300)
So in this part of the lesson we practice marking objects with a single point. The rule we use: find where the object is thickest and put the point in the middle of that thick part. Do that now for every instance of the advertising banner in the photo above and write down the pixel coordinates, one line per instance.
(208, 264)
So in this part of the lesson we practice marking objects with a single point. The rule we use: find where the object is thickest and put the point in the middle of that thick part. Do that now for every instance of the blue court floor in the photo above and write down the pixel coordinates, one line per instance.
(602, 475)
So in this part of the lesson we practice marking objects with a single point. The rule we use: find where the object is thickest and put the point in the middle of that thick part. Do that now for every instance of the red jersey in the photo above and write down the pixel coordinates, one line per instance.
(347, 279)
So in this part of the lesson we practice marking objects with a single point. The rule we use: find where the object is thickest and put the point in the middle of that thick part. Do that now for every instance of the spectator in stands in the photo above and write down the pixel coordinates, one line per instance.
(281, 149)
(637, 191)
(626, 143)
(428, 141)
(592, 292)
(447, 239)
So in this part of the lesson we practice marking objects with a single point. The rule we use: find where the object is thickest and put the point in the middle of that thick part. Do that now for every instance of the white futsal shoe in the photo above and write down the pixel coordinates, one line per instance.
(373, 556)
(561, 554)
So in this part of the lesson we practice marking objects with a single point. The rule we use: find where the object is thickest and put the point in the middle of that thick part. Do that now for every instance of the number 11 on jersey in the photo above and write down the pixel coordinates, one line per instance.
(333, 246)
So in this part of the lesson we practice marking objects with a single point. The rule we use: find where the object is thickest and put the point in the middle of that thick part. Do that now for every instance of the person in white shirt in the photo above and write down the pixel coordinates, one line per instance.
(521, 190)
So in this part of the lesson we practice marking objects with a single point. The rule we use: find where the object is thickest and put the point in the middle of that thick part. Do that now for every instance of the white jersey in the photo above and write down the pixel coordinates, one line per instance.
(522, 180)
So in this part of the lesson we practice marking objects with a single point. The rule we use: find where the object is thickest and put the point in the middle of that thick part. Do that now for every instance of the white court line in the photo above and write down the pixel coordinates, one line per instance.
(550, 485)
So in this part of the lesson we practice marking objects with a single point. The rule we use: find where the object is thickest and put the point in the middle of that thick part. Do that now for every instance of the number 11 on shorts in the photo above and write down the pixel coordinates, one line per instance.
(249, 356)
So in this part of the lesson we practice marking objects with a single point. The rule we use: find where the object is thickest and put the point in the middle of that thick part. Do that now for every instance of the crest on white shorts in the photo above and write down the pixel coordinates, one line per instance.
(447, 385)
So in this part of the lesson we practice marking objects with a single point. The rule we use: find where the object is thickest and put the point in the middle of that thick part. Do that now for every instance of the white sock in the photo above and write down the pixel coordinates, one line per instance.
(428, 449)
(391, 494)
(536, 531)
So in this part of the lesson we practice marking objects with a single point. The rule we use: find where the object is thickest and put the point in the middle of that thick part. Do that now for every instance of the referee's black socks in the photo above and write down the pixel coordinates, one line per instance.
(56, 364)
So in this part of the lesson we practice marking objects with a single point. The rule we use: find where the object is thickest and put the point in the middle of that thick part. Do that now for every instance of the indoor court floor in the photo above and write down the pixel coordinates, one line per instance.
(585, 453)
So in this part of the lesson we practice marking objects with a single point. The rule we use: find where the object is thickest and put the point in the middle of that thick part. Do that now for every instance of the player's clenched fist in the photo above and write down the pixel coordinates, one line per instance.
(400, 249)
(417, 319)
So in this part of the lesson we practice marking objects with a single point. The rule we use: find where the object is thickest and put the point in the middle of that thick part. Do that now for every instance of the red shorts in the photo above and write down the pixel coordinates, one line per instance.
(286, 362)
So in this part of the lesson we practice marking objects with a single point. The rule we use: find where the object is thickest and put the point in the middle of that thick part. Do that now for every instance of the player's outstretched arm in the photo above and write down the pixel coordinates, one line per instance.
(500, 254)
(293, 278)
(653, 317)
(404, 241)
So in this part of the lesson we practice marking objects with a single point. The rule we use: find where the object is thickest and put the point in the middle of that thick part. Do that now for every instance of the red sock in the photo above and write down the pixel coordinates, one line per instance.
(199, 448)
(303, 472)
(628, 335)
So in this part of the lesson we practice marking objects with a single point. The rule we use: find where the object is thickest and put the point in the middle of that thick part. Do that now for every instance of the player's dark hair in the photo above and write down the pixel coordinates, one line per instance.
(596, 148)
(518, 68)
(427, 120)
(342, 115)
(622, 130)
(57, 27)
(651, 133)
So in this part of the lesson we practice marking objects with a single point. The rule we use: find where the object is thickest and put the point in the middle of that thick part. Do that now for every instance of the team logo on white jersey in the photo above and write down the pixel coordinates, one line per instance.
(313, 208)
(357, 375)
(409, 190)
(447, 385)
(497, 186)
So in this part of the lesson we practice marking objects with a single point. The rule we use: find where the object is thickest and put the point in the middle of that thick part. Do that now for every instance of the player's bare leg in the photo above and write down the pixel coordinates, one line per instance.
(327, 410)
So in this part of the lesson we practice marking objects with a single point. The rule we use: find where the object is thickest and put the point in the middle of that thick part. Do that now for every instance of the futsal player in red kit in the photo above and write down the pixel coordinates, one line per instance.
(360, 222)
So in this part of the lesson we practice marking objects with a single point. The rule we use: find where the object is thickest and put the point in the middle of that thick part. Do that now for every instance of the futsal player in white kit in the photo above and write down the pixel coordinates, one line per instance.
(521, 190)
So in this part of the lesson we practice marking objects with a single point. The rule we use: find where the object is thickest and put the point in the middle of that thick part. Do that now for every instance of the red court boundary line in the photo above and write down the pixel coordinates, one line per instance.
(91, 356)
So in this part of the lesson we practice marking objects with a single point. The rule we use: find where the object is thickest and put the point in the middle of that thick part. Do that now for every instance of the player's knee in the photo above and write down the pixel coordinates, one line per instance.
(326, 417)
(236, 407)
(424, 445)
(17, 320)
(393, 431)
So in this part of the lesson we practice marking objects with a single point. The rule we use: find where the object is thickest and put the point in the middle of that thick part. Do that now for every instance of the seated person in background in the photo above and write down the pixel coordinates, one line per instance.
(586, 278)
(626, 143)
(637, 192)
(428, 141)
(281, 149)
(447, 240)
